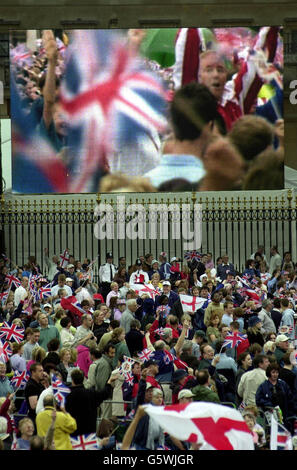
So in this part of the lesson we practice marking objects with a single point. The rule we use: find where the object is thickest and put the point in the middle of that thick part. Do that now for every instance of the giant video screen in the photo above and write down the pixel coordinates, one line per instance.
(147, 110)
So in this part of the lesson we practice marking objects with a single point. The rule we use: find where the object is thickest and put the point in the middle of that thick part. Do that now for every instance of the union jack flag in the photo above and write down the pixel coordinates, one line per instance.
(192, 255)
(109, 100)
(233, 340)
(250, 293)
(145, 355)
(20, 379)
(5, 351)
(3, 296)
(84, 442)
(12, 280)
(32, 286)
(159, 331)
(60, 390)
(126, 366)
(77, 308)
(280, 438)
(21, 55)
(129, 378)
(163, 309)
(11, 332)
(242, 406)
(45, 292)
(168, 357)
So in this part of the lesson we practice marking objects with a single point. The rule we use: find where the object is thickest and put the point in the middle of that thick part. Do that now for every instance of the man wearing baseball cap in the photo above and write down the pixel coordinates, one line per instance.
(282, 346)
(70, 274)
(185, 396)
(172, 296)
(70, 283)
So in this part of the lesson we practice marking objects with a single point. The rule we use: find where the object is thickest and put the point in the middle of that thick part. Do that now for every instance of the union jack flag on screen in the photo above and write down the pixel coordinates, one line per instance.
(110, 100)
(11, 332)
(60, 390)
(21, 55)
(19, 379)
(84, 442)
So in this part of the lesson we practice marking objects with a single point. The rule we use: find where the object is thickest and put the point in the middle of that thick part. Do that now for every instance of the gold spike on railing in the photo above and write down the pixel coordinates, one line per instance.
(290, 197)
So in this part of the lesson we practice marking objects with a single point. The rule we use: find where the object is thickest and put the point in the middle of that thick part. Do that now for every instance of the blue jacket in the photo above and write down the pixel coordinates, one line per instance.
(264, 397)
(165, 270)
(224, 269)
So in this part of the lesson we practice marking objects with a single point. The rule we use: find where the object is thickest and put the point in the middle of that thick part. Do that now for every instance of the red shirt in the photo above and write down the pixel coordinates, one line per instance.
(230, 112)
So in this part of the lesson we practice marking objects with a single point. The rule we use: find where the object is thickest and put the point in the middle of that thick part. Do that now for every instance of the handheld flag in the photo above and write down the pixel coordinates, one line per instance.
(145, 355)
(215, 426)
(84, 442)
(11, 332)
(60, 390)
(19, 379)
(280, 438)
(233, 340)
(5, 351)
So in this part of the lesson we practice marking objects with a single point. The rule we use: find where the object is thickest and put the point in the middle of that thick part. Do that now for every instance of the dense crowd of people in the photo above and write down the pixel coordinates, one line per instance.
(220, 132)
(161, 331)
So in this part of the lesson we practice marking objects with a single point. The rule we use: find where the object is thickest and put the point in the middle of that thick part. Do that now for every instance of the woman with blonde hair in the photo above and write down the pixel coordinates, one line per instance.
(155, 281)
(269, 348)
(26, 428)
(38, 355)
(66, 365)
(254, 331)
(18, 322)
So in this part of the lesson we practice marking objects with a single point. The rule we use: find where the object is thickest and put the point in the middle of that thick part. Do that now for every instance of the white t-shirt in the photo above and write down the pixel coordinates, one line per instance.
(56, 288)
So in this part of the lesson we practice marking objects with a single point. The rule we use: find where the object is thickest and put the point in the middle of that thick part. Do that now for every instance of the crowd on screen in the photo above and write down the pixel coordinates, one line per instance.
(161, 331)
(238, 143)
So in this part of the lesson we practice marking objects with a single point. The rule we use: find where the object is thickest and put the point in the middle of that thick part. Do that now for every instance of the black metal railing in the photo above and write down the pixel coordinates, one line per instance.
(236, 223)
